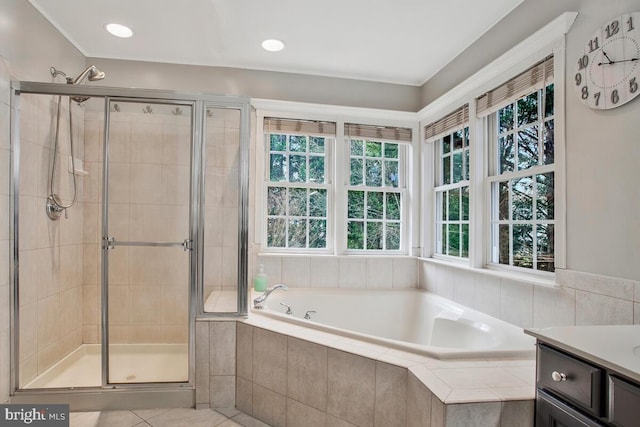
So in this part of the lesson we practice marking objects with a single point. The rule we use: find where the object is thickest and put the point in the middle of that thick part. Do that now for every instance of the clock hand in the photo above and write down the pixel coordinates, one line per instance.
(628, 60)
(606, 56)
(617, 62)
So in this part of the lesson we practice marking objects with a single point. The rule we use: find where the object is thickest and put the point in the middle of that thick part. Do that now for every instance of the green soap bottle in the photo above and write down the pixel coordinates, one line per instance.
(260, 281)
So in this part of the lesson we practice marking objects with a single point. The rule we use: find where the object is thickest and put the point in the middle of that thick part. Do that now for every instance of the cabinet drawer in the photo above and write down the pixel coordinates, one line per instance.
(571, 378)
(551, 412)
(624, 402)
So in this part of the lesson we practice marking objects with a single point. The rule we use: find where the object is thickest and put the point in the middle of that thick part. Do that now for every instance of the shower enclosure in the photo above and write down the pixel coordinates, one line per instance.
(106, 294)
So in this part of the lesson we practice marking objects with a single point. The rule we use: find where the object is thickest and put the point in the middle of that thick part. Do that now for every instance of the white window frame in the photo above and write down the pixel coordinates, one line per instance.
(402, 188)
(495, 176)
(549, 40)
(326, 185)
(338, 177)
(436, 142)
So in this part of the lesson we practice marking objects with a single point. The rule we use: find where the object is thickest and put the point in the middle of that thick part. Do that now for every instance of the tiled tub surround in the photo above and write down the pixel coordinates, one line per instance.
(578, 298)
(352, 272)
(215, 363)
(288, 375)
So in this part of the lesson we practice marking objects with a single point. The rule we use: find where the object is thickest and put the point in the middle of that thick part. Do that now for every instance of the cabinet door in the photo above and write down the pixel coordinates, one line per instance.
(624, 403)
(551, 412)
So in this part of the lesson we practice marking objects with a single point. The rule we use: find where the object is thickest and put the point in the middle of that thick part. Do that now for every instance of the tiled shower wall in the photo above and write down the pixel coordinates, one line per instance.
(5, 235)
(149, 178)
(50, 251)
(222, 163)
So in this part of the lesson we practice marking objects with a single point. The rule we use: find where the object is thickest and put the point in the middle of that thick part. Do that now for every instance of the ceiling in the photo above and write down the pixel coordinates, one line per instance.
(394, 41)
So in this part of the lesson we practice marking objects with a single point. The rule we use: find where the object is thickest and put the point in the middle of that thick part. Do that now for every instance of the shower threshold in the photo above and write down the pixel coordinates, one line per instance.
(128, 363)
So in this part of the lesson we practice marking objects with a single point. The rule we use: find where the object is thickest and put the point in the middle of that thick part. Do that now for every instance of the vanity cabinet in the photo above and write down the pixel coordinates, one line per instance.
(575, 391)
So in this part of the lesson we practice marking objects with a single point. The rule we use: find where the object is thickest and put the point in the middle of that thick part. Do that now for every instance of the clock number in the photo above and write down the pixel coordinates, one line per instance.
(596, 96)
(578, 79)
(585, 92)
(612, 29)
(615, 97)
(583, 62)
(593, 45)
(630, 23)
(633, 85)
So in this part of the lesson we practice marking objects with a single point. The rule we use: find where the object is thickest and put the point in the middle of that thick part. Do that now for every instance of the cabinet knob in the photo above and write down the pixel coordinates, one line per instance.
(558, 376)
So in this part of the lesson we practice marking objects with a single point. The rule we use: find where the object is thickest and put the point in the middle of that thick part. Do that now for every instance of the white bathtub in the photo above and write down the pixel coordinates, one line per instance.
(411, 320)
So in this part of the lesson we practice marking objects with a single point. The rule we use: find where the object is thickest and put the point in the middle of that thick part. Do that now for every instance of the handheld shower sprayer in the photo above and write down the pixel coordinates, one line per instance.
(55, 206)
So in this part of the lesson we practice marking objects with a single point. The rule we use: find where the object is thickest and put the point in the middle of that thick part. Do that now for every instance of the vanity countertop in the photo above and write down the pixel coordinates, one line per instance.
(614, 347)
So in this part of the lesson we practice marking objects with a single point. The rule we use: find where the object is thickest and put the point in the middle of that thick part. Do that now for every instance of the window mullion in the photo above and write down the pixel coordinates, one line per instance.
(341, 164)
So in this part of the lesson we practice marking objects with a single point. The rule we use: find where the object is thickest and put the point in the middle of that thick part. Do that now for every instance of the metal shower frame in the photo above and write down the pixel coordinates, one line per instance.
(199, 102)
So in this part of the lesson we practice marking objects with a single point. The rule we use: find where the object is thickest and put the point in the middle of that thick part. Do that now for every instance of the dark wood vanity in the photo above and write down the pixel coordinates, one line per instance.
(588, 377)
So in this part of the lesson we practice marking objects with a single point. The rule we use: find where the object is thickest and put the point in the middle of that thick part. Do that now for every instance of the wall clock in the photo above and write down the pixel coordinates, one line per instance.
(607, 72)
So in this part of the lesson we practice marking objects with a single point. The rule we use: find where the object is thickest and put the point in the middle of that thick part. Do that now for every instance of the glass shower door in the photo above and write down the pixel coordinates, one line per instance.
(147, 241)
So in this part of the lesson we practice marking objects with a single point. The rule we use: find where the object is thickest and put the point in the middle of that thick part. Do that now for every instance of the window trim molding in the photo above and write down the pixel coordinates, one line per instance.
(550, 39)
(519, 58)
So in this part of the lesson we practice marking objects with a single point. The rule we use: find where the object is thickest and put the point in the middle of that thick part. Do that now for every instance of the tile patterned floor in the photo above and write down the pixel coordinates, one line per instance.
(176, 417)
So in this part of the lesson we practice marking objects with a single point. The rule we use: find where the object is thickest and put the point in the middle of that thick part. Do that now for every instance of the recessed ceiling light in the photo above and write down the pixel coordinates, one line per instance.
(119, 30)
(272, 45)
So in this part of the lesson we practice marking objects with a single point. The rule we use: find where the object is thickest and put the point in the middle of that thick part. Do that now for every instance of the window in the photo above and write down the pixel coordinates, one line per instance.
(451, 183)
(376, 187)
(521, 172)
(373, 183)
(297, 185)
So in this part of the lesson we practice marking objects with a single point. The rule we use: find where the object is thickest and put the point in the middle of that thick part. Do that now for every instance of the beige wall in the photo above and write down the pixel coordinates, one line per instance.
(258, 84)
(30, 44)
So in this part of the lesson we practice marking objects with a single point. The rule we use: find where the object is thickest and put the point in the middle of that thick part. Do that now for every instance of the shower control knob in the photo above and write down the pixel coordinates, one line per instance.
(558, 376)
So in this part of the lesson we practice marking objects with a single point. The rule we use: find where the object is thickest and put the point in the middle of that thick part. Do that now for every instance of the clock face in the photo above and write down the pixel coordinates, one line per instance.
(607, 72)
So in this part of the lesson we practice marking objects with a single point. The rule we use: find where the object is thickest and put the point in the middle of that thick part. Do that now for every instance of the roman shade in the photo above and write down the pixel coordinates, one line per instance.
(313, 127)
(530, 80)
(386, 133)
(453, 120)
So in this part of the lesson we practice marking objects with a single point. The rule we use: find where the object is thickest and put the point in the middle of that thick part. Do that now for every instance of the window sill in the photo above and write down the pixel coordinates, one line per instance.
(510, 275)
(331, 255)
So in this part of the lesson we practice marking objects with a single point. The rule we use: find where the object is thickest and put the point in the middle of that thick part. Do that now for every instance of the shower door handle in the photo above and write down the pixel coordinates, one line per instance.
(111, 243)
(187, 245)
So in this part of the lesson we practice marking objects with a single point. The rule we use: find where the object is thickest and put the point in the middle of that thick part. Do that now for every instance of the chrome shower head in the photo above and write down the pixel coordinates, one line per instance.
(91, 72)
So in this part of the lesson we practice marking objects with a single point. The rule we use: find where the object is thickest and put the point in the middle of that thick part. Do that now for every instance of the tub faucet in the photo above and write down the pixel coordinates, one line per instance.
(258, 302)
